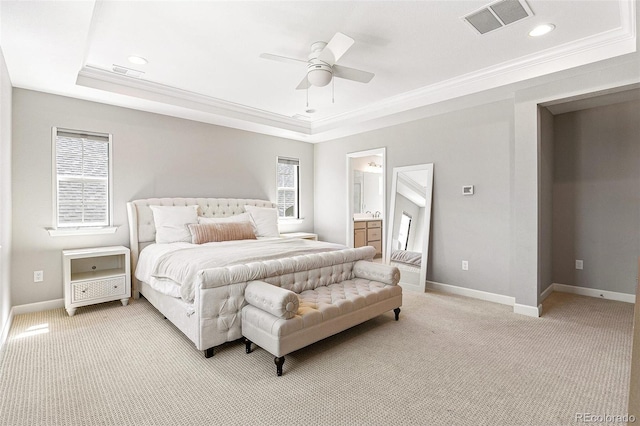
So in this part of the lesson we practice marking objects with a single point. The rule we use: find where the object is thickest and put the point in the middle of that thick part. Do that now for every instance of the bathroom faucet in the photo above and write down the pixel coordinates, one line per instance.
(377, 214)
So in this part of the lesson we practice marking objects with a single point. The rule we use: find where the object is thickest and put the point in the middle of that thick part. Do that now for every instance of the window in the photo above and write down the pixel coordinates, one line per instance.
(288, 188)
(82, 179)
(405, 227)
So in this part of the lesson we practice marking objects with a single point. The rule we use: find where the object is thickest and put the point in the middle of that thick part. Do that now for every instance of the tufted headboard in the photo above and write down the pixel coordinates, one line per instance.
(142, 229)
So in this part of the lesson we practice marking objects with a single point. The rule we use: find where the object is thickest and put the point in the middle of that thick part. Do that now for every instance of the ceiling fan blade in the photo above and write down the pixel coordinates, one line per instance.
(304, 84)
(352, 74)
(281, 58)
(337, 47)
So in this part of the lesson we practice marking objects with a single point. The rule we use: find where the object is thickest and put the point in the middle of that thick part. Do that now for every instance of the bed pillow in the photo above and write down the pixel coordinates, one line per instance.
(242, 217)
(171, 223)
(265, 220)
(217, 232)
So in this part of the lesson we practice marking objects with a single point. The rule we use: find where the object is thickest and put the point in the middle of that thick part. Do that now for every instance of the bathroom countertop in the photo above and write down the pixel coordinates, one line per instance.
(364, 219)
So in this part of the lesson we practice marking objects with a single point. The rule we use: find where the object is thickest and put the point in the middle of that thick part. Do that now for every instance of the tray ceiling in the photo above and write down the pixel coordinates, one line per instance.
(204, 57)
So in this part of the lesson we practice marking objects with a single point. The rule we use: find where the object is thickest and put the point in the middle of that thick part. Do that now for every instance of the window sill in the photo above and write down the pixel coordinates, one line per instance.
(63, 232)
(290, 221)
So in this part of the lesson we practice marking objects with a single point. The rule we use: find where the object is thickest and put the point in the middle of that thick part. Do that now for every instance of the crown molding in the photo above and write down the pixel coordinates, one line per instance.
(616, 42)
(570, 55)
(229, 112)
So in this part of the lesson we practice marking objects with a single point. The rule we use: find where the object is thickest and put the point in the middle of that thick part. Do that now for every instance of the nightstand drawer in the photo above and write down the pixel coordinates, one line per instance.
(96, 289)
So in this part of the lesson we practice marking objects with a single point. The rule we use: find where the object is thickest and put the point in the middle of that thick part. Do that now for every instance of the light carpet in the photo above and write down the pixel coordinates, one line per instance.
(450, 360)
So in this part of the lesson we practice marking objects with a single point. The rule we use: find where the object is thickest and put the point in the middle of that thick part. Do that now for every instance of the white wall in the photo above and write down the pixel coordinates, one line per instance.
(5, 197)
(153, 156)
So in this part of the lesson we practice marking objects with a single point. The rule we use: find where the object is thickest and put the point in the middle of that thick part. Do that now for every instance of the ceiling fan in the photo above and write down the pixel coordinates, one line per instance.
(321, 65)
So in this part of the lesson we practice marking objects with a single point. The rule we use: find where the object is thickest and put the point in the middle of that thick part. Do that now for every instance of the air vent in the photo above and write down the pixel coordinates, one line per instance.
(497, 15)
(118, 69)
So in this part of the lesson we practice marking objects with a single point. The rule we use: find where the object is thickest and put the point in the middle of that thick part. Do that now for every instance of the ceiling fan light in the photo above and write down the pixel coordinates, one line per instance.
(319, 77)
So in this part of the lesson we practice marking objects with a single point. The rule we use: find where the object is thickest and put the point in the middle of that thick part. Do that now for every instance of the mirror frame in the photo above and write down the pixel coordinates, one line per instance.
(422, 283)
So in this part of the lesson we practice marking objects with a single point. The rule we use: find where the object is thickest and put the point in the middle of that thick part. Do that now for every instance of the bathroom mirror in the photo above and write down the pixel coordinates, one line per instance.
(409, 224)
(367, 191)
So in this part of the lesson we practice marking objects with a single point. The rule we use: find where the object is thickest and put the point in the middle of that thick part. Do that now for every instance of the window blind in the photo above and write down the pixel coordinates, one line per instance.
(288, 194)
(82, 179)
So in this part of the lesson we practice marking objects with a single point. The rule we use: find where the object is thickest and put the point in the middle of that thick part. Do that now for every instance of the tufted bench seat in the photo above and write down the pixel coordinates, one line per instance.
(282, 321)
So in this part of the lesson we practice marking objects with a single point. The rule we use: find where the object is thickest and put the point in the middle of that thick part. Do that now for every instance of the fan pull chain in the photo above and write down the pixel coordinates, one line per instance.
(307, 96)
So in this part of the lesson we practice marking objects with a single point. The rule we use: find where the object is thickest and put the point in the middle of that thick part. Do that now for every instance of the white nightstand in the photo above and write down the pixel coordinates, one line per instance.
(95, 275)
(303, 235)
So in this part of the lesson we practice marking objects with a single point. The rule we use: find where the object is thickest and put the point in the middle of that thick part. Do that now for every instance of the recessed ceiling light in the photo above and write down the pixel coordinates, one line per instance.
(138, 60)
(542, 30)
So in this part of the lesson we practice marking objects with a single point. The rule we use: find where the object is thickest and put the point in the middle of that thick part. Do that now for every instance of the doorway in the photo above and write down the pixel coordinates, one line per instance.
(366, 189)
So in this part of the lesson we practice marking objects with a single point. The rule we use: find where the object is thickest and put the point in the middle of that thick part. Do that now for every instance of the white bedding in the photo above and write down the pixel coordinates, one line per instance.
(173, 268)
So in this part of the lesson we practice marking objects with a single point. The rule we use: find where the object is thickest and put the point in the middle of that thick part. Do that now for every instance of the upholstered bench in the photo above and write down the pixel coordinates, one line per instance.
(282, 321)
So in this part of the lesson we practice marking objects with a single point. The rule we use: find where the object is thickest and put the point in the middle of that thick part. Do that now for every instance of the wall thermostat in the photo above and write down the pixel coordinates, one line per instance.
(467, 190)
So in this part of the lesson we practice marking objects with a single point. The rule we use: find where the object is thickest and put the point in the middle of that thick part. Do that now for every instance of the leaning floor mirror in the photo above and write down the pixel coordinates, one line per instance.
(409, 224)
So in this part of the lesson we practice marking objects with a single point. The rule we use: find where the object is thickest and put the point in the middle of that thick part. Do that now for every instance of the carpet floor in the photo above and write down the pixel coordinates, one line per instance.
(449, 360)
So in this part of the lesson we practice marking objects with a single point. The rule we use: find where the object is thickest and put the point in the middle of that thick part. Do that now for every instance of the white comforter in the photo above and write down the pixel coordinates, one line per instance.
(180, 263)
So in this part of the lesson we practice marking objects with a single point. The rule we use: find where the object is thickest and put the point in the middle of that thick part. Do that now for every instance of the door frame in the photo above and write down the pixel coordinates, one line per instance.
(349, 215)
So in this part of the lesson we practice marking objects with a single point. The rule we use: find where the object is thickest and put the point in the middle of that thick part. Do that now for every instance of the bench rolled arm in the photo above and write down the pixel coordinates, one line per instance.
(377, 272)
(278, 301)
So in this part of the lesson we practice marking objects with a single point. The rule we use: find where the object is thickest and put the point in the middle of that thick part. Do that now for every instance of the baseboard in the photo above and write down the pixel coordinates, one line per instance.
(594, 292)
(475, 294)
(530, 311)
(38, 306)
(5, 331)
(546, 293)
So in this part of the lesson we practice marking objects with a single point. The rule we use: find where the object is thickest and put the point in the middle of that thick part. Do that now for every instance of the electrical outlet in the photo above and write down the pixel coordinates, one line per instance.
(465, 265)
(38, 276)
(579, 264)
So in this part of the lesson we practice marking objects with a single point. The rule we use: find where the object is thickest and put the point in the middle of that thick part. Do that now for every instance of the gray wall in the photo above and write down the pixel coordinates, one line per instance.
(468, 147)
(5, 196)
(596, 214)
(545, 256)
(153, 156)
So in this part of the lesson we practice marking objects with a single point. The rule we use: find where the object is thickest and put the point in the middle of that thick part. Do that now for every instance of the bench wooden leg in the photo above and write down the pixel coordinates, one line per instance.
(279, 362)
(397, 312)
(247, 345)
(208, 353)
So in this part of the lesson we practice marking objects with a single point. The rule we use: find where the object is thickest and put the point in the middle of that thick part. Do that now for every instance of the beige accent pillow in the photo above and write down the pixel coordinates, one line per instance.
(218, 232)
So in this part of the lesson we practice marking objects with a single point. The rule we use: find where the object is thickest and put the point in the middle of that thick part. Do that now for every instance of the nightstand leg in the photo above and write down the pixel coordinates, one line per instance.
(124, 301)
(71, 311)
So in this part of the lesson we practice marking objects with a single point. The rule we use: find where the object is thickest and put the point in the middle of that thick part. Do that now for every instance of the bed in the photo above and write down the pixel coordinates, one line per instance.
(409, 260)
(200, 287)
